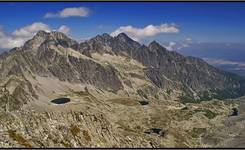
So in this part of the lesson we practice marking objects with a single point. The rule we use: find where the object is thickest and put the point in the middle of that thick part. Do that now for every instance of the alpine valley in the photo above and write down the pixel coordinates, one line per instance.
(115, 92)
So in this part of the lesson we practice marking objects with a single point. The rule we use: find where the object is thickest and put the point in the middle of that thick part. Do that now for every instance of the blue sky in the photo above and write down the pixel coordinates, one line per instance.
(203, 22)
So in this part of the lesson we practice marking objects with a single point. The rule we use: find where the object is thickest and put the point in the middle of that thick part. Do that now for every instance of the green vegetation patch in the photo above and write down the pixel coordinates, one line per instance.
(183, 115)
(208, 113)
(66, 144)
(197, 132)
(169, 91)
(187, 99)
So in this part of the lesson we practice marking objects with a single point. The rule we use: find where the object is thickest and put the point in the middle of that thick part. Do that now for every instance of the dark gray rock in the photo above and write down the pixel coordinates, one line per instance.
(193, 75)
(192, 72)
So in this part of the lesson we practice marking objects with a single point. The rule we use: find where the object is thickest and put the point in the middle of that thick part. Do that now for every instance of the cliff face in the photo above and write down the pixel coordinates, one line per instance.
(121, 93)
(53, 55)
(201, 79)
(56, 55)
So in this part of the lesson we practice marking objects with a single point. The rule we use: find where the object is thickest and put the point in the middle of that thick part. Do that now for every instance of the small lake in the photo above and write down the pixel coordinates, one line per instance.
(144, 102)
(61, 100)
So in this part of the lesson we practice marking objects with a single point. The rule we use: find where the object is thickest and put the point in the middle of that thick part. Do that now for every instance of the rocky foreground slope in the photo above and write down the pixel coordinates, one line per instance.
(122, 94)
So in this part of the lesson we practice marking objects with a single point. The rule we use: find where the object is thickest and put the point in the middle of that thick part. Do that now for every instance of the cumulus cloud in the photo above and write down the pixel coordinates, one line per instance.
(64, 29)
(69, 12)
(148, 31)
(173, 45)
(21, 35)
(30, 30)
(5, 41)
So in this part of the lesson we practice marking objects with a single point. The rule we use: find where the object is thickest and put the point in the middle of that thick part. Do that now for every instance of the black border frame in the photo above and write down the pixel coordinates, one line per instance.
(124, 1)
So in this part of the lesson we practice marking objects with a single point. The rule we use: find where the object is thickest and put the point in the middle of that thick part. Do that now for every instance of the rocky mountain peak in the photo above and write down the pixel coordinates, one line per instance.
(36, 41)
(54, 34)
(58, 35)
(168, 64)
(143, 47)
(155, 45)
(41, 33)
(124, 43)
(54, 37)
(123, 37)
(104, 38)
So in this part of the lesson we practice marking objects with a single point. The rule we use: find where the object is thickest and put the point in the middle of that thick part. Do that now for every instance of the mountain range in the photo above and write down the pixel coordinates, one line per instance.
(56, 55)
(96, 75)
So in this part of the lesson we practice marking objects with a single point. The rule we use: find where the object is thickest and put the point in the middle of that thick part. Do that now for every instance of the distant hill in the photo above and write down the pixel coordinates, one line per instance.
(226, 56)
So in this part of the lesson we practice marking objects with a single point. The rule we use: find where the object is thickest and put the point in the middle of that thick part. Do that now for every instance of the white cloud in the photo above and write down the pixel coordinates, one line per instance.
(51, 15)
(30, 30)
(6, 41)
(69, 12)
(149, 31)
(178, 45)
(21, 35)
(64, 29)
